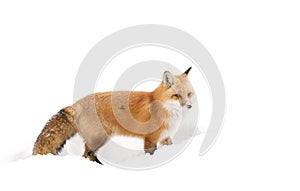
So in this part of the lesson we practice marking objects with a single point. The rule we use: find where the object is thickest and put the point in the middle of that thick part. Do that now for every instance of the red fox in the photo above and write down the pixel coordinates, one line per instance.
(153, 116)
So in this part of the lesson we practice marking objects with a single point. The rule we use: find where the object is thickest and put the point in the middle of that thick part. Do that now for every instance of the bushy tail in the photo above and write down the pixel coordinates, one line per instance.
(58, 129)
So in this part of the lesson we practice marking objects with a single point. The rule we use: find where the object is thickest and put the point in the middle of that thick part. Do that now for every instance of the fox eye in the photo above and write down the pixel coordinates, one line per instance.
(190, 94)
(177, 96)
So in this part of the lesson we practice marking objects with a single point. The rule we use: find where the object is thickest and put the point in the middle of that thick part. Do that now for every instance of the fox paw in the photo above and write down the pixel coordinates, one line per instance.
(166, 141)
(150, 150)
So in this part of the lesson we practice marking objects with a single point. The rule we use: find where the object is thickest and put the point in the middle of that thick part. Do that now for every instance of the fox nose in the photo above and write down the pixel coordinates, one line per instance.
(189, 106)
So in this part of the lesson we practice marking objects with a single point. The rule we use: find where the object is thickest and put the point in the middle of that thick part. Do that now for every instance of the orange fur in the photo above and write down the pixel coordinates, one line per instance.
(99, 116)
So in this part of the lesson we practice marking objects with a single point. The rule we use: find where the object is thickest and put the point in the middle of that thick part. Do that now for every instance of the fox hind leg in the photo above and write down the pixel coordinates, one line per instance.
(89, 154)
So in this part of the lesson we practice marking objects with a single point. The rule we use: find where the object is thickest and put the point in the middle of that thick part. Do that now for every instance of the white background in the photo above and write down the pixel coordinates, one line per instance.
(256, 45)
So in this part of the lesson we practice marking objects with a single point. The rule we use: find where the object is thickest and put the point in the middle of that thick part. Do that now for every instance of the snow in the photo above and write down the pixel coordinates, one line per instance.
(69, 170)
(73, 172)
(255, 45)
(120, 150)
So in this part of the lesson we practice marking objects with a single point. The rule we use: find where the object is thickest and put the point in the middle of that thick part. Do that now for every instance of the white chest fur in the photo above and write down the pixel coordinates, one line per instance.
(175, 110)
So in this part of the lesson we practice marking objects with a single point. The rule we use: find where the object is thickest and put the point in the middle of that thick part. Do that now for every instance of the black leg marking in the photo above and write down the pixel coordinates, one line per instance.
(91, 155)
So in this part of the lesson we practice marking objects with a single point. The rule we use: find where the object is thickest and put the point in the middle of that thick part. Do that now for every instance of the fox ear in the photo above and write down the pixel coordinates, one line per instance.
(168, 78)
(186, 72)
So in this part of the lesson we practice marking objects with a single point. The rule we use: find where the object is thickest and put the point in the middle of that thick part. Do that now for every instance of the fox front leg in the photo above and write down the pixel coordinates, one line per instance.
(166, 141)
(149, 146)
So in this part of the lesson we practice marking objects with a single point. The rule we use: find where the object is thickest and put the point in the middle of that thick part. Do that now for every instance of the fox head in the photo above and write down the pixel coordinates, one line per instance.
(178, 88)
